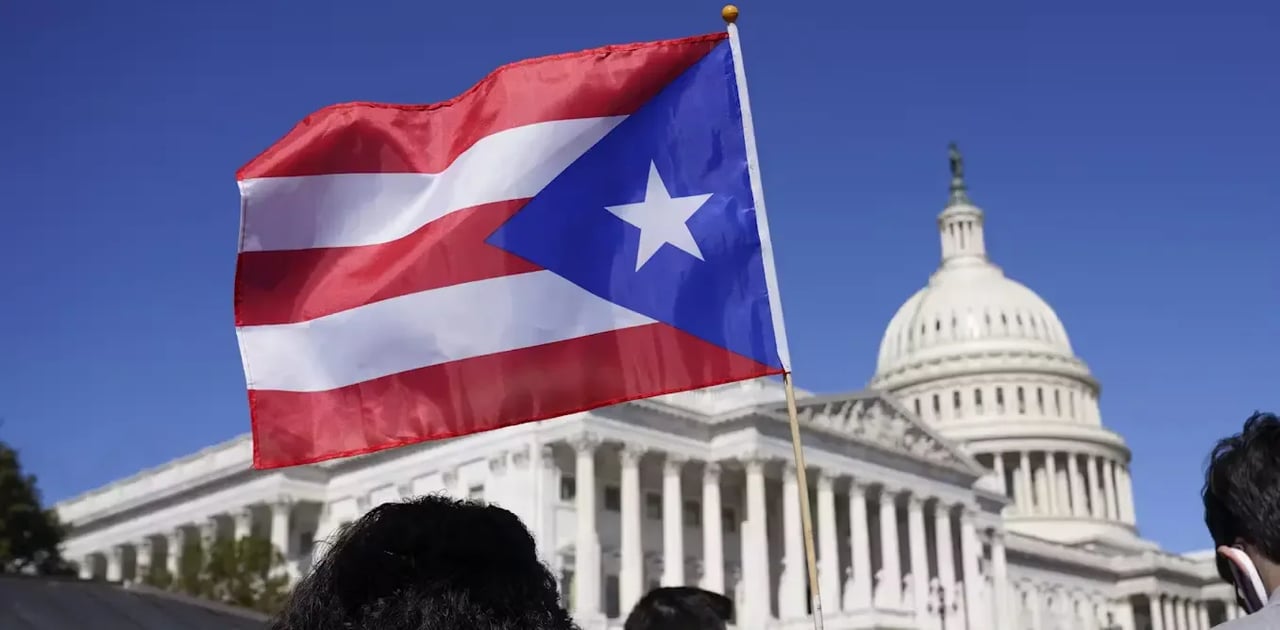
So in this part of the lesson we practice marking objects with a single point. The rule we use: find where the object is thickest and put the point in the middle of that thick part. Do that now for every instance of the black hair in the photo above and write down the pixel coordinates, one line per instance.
(1242, 488)
(430, 563)
(680, 608)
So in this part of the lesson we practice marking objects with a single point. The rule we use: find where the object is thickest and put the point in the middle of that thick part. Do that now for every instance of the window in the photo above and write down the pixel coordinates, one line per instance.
(999, 400)
(612, 498)
(566, 588)
(568, 488)
(955, 403)
(692, 513)
(937, 406)
(977, 399)
(729, 519)
(1022, 401)
(1040, 399)
(476, 493)
(917, 407)
(653, 505)
(306, 542)
(612, 599)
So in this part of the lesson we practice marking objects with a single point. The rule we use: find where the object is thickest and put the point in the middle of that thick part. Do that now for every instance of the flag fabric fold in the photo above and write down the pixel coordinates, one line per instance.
(574, 231)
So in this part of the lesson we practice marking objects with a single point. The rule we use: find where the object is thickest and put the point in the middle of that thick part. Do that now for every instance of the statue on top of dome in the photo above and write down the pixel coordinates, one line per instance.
(957, 162)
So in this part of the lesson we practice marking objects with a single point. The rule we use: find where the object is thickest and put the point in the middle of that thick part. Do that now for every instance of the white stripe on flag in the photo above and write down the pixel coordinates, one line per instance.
(425, 329)
(345, 210)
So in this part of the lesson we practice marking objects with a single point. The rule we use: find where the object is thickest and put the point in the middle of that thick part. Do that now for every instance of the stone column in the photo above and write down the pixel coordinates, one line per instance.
(1095, 496)
(115, 563)
(918, 547)
(586, 571)
(1128, 511)
(942, 545)
(672, 521)
(173, 552)
(86, 567)
(828, 548)
(791, 585)
(143, 554)
(631, 576)
(757, 591)
(243, 523)
(860, 553)
(889, 594)
(208, 533)
(997, 462)
(1184, 614)
(1002, 615)
(1113, 503)
(1051, 482)
(1078, 502)
(1163, 610)
(970, 550)
(281, 513)
(712, 530)
(1202, 616)
(1026, 502)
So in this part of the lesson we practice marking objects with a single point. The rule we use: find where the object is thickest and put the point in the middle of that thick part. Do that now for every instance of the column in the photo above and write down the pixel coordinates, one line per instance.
(173, 552)
(1027, 500)
(1095, 498)
(1113, 503)
(918, 547)
(712, 530)
(243, 523)
(942, 545)
(860, 552)
(115, 563)
(1128, 511)
(86, 567)
(631, 575)
(1077, 486)
(997, 461)
(791, 604)
(1051, 482)
(1002, 615)
(1166, 613)
(1154, 611)
(970, 550)
(828, 549)
(1202, 616)
(889, 595)
(281, 511)
(672, 521)
(757, 591)
(208, 534)
(1184, 615)
(586, 570)
(144, 552)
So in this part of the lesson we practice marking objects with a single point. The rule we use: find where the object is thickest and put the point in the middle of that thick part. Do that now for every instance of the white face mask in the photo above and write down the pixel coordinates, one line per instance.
(1253, 596)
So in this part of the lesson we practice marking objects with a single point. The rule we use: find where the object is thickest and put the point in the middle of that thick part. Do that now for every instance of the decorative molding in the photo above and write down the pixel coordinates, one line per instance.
(449, 478)
(585, 442)
(874, 420)
(630, 454)
(674, 461)
(520, 457)
(405, 490)
(711, 472)
(498, 463)
(548, 454)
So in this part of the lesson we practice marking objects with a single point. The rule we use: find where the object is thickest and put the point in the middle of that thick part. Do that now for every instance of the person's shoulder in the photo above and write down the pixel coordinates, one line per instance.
(1266, 619)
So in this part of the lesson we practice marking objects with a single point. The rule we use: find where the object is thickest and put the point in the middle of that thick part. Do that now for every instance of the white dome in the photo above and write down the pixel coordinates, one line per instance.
(970, 309)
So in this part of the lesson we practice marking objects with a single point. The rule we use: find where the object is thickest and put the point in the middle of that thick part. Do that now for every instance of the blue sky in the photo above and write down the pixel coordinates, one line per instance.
(1128, 159)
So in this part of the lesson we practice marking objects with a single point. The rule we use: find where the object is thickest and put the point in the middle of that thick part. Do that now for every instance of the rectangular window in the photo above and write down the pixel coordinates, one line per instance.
(977, 400)
(612, 598)
(476, 493)
(653, 505)
(729, 518)
(612, 498)
(692, 513)
(568, 488)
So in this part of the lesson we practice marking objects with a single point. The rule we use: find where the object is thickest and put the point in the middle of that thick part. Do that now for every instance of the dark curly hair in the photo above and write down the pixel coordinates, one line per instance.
(1242, 488)
(680, 608)
(430, 563)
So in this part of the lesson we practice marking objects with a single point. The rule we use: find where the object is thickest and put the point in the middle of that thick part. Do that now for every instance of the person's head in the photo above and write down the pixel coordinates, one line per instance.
(1242, 496)
(680, 608)
(430, 563)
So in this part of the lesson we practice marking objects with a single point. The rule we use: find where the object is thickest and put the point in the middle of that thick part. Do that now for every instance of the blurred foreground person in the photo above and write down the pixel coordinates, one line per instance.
(680, 608)
(431, 563)
(1242, 511)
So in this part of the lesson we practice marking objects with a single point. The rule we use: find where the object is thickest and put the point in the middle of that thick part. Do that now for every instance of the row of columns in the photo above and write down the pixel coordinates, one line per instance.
(133, 560)
(1038, 401)
(1057, 483)
(1176, 613)
(954, 595)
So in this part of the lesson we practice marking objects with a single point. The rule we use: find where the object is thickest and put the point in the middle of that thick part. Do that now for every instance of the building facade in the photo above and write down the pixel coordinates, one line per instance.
(973, 486)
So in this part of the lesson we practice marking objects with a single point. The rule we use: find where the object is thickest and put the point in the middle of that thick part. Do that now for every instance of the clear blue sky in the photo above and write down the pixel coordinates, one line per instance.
(1128, 160)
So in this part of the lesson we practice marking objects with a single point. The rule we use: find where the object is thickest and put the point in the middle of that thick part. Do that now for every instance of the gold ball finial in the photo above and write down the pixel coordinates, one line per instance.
(729, 13)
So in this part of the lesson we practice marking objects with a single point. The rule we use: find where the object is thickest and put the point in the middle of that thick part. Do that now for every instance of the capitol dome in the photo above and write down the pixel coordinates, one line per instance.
(988, 363)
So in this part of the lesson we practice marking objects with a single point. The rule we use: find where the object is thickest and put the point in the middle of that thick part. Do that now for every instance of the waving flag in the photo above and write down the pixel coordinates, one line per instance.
(573, 231)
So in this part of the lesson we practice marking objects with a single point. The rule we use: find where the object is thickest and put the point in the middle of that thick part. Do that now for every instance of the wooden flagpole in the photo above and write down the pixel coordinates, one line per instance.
(730, 15)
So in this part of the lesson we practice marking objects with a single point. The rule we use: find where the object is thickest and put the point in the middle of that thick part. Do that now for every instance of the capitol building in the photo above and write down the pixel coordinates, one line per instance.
(972, 486)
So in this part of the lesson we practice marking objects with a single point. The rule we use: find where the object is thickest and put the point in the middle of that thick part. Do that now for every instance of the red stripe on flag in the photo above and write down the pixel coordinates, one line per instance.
(286, 286)
(486, 393)
(384, 138)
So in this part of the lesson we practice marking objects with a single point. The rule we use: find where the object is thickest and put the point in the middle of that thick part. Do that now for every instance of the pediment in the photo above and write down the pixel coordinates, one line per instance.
(877, 420)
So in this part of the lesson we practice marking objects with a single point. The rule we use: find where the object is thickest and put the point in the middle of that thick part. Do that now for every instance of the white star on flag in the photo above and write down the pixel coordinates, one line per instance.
(661, 219)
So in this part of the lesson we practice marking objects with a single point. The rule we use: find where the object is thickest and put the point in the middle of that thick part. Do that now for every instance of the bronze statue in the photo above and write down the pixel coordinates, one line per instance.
(957, 161)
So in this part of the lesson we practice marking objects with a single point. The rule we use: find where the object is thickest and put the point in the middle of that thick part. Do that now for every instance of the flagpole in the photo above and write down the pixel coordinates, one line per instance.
(730, 15)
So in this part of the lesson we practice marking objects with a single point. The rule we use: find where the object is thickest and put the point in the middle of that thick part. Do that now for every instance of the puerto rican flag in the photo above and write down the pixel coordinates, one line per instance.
(574, 231)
